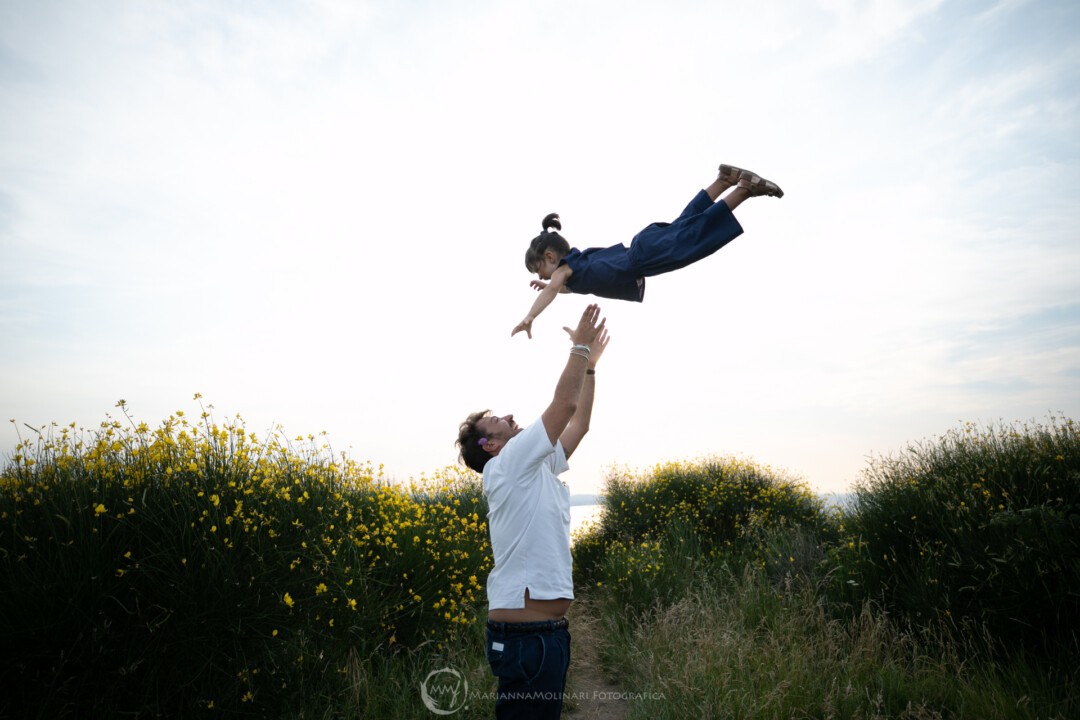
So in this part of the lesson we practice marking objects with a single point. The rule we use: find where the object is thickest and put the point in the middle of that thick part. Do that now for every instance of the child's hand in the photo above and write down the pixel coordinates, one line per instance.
(537, 285)
(525, 325)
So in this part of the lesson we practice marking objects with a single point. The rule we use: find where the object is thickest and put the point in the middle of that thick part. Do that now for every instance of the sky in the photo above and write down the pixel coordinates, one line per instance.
(315, 215)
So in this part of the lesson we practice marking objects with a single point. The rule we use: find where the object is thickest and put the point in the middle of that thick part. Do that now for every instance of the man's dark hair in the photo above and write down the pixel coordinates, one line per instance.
(470, 451)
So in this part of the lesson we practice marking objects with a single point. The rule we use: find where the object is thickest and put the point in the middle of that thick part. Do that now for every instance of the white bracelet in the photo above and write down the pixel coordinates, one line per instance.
(586, 348)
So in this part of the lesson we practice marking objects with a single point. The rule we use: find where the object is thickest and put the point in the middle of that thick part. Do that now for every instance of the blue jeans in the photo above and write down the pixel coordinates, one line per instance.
(530, 660)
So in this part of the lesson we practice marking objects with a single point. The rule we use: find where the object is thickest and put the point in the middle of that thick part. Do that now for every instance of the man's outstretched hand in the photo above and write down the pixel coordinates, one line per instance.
(588, 329)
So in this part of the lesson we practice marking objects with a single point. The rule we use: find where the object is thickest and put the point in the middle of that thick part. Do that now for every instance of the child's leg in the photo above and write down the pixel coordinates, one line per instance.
(718, 187)
(734, 198)
(728, 176)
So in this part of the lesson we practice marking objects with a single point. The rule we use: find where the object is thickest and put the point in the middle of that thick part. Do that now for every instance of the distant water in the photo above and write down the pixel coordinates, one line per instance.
(581, 514)
(844, 501)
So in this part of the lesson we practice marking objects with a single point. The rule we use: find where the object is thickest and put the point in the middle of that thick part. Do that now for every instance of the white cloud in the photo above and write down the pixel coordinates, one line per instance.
(852, 31)
(315, 214)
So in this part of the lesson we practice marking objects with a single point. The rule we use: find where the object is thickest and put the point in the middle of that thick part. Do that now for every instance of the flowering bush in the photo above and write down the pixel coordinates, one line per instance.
(659, 528)
(195, 566)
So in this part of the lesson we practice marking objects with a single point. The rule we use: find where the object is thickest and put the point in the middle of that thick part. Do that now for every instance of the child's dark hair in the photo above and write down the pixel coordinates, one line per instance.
(546, 241)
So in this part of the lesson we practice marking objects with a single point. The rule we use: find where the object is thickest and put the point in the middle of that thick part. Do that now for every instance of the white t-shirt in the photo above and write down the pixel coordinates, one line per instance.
(529, 521)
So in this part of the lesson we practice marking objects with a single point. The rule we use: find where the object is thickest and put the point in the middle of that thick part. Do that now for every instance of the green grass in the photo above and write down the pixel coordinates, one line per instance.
(723, 592)
(737, 646)
(979, 526)
(194, 569)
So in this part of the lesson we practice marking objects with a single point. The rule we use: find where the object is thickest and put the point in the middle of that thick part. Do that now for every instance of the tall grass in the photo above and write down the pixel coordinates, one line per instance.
(739, 646)
(981, 526)
(194, 567)
(908, 605)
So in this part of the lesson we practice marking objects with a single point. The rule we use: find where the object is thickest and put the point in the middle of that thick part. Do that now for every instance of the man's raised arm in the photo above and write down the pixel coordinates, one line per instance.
(564, 405)
(579, 423)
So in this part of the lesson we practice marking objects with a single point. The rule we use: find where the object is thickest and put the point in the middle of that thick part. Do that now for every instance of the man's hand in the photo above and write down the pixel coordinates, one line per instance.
(587, 329)
(597, 346)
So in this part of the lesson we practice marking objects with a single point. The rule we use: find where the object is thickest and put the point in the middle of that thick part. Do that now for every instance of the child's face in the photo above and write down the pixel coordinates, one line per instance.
(547, 266)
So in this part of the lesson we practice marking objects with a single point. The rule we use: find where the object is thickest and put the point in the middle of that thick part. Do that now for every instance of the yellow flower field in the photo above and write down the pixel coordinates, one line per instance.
(253, 567)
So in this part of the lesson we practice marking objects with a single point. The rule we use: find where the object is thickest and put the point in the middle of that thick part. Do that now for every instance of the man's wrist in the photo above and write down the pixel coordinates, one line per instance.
(576, 351)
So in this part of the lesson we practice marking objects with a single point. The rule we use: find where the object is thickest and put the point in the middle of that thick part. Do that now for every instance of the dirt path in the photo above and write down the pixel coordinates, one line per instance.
(594, 696)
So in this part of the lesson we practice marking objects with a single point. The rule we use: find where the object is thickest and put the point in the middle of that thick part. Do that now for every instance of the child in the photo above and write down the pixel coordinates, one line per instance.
(619, 272)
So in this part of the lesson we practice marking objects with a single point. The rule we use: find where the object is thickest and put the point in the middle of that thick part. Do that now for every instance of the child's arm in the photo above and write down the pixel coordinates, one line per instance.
(539, 285)
(558, 280)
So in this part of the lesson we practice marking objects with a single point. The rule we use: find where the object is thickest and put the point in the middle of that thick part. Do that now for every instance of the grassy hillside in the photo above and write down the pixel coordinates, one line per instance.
(193, 569)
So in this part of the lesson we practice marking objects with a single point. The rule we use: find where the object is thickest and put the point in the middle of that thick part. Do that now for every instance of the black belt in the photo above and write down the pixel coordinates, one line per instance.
(528, 627)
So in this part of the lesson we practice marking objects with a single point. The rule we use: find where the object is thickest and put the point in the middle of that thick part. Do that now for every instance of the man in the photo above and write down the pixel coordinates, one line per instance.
(531, 586)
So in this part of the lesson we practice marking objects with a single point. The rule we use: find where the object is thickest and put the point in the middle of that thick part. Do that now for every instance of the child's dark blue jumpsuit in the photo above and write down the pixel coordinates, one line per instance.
(619, 272)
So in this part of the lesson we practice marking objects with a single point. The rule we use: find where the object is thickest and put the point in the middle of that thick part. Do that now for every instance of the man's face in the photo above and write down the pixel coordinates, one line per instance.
(498, 431)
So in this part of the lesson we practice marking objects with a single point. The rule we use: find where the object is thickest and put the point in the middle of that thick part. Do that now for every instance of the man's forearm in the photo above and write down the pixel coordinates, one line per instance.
(579, 423)
(570, 388)
(583, 416)
(568, 391)
(571, 392)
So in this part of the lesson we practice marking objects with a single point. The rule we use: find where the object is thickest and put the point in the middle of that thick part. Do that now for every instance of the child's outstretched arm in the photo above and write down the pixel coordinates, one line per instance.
(557, 282)
(540, 285)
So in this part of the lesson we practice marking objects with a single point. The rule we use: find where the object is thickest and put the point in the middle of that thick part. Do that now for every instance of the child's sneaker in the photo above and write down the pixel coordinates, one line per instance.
(730, 173)
(758, 185)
